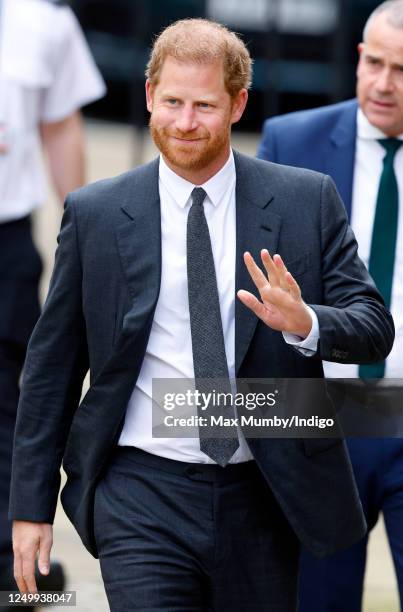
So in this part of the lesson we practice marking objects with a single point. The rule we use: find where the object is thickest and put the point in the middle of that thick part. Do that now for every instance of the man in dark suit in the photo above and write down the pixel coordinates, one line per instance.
(358, 143)
(147, 272)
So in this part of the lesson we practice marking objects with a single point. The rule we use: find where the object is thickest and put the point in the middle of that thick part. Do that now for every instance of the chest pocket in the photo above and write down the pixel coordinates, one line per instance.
(299, 265)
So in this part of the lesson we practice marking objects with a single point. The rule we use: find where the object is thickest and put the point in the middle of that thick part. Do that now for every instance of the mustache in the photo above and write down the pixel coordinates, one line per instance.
(185, 135)
(204, 134)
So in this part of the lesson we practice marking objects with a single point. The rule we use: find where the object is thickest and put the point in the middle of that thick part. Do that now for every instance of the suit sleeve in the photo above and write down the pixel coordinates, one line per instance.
(267, 145)
(56, 364)
(354, 325)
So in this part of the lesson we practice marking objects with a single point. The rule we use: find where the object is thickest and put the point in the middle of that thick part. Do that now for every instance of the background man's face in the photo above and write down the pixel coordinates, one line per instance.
(192, 114)
(380, 76)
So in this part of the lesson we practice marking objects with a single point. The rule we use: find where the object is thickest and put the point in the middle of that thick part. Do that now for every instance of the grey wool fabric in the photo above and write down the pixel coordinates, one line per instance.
(208, 346)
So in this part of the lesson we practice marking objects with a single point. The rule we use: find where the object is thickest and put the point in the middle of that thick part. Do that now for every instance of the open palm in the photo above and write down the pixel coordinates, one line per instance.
(282, 307)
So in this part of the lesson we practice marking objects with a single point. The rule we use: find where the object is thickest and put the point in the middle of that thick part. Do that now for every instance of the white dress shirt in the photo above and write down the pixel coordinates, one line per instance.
(169, 349)
(46, 73)
(367, 173)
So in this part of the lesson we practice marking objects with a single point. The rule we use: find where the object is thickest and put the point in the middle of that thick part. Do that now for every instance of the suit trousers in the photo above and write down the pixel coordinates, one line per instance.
(20, 270)
(190, 537)
(336, 583)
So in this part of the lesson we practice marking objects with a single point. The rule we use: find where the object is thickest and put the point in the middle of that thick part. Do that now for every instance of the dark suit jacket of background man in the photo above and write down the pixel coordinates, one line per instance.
(99, 313)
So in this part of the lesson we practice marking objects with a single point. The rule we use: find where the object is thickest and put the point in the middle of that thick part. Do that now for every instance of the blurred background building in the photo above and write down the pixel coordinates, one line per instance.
(305, 51)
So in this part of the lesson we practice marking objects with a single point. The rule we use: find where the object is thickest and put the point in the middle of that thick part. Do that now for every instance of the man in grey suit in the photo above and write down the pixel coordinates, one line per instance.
(146, 280)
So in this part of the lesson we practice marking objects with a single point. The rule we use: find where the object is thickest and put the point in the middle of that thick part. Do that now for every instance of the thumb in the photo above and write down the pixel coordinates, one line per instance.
(44, 556)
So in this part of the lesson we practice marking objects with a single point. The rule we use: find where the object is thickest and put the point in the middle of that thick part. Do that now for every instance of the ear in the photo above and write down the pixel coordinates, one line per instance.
(360, 49)
(149, 96)
(238, 105)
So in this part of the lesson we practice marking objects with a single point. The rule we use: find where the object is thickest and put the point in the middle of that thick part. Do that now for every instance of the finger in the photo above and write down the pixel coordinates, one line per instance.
(270, 268)
(293, 286)
(255, 272)
(18, 577)
(28, 571)
(281, 270)
(251, 301)
(44, 555)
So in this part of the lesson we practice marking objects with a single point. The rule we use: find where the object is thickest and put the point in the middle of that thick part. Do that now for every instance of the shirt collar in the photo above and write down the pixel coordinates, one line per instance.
(367, 131)
(180, 189)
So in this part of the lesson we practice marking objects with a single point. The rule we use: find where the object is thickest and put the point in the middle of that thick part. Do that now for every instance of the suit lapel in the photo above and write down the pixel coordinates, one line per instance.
(139, 246)
(256, 229)
(138, 235)
(340, 158)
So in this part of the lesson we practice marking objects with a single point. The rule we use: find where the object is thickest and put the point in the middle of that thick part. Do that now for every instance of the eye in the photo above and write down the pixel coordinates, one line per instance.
(172, 101)
(204, 105)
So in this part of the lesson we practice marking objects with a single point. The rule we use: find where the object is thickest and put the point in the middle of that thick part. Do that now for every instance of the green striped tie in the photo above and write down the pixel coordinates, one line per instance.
(383, 244)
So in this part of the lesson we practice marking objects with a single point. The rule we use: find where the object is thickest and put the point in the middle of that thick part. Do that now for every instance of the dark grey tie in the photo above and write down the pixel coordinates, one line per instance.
(208, 347)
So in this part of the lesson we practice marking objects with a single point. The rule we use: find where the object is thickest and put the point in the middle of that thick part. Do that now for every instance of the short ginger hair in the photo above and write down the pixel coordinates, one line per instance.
(202, 41)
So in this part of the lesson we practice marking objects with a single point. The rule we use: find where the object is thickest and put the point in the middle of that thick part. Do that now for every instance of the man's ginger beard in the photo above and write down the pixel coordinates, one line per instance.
(191, 157)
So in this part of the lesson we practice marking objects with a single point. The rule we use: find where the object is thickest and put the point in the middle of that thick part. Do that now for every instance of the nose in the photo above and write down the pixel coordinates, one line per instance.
(186, 119)
(384, 82)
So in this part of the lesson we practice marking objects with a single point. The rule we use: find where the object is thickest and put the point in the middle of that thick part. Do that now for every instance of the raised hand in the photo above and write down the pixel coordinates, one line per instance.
(282, 307)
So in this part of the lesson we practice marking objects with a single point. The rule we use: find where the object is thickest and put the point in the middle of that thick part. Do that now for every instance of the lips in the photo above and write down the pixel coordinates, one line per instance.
(382, 104)
(186, 139)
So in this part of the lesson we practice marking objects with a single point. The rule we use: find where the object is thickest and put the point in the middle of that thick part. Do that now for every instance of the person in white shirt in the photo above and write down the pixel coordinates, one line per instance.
(46, 75)
(360, 144)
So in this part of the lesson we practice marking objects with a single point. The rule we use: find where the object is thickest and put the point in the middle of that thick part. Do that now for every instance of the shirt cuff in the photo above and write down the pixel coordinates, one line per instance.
(309, 345)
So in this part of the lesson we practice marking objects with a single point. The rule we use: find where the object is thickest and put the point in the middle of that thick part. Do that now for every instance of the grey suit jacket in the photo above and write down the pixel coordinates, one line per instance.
(99, 312)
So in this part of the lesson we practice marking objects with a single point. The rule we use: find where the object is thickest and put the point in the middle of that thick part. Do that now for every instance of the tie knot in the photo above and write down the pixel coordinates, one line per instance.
(391, 145)
(198, 196)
